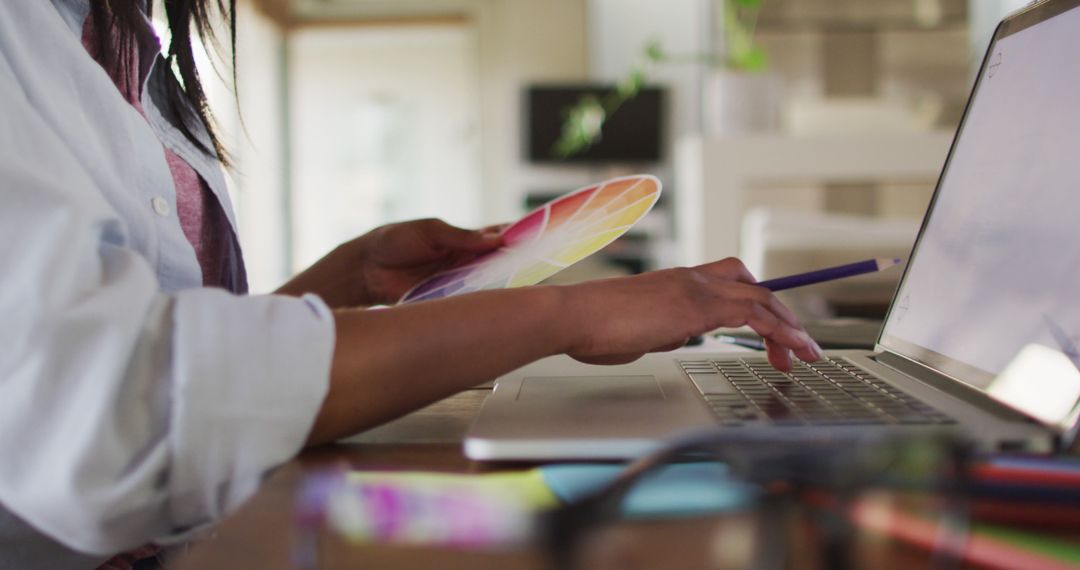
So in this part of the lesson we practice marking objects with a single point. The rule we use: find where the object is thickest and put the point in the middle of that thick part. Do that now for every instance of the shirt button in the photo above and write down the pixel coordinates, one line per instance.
(160, 206)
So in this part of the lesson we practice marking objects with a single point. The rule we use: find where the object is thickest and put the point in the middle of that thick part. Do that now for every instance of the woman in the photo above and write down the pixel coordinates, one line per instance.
(142, 395)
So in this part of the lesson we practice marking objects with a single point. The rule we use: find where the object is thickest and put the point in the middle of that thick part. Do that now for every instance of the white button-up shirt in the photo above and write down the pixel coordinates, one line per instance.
(134, 404)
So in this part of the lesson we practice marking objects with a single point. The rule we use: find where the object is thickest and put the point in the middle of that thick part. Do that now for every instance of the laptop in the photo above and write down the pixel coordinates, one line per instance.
(979, 337)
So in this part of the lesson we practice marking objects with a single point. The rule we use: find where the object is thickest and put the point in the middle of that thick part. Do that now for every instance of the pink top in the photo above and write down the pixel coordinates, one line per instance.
(201, 216)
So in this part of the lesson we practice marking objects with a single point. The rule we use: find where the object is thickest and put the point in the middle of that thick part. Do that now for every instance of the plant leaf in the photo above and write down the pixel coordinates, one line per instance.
(654, 51)
(630, 85)
(754, 60)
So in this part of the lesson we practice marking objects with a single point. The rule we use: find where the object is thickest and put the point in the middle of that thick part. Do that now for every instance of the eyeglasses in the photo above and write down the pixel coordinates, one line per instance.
(841, 486)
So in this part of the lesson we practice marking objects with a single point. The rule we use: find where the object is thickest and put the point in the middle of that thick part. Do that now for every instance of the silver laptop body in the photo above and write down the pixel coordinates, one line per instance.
(979, 337)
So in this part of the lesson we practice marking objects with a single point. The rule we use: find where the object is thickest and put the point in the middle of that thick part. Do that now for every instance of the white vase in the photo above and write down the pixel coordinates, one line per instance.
(737, 103)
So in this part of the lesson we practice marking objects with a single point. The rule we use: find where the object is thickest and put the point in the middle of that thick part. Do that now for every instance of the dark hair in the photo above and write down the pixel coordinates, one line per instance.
(128, 19)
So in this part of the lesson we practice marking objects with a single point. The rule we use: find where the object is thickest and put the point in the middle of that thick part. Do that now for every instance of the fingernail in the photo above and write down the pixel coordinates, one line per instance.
(817, 349)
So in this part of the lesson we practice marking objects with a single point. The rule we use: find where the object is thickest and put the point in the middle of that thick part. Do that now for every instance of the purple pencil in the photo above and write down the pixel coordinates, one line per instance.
(828, 274)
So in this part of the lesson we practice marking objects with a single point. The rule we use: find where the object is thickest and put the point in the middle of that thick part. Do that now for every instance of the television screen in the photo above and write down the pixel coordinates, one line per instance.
(633, 133)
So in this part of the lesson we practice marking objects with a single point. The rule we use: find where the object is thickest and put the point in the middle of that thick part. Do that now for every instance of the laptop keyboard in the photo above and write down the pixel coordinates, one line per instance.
(828, 392)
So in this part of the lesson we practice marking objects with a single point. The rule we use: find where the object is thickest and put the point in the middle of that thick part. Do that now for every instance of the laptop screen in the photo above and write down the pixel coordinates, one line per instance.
(996, 267)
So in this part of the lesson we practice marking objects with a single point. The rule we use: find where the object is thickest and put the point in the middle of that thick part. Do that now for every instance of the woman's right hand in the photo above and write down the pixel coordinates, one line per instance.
(618, 320)
(383, 360)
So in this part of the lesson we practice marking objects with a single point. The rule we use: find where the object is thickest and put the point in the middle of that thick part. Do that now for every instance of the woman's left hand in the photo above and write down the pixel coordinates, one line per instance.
(382, 265)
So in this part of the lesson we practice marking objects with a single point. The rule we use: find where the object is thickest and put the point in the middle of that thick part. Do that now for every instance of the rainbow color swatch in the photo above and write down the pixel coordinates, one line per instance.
(550, 238)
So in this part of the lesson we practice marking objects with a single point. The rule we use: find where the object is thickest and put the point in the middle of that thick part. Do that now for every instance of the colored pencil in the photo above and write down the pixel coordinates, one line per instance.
(983, 548)
(828, 274)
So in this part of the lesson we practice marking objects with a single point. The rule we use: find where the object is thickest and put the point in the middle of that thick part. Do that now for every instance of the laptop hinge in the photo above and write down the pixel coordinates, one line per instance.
(950, 386)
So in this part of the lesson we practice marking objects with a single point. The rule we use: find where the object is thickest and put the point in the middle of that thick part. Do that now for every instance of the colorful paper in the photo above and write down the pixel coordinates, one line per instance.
(465, 511)
(678, 490)
(550, 238)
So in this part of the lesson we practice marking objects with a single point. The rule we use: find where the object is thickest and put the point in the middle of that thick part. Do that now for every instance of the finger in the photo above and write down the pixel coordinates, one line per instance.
(671, 347)
(773, 329)
(744, 292)
(779, 356)
(775, 305)
(763, 297)
(770, 301)
(608, 359)
(730, 268)
(495, 229)
(442, 235)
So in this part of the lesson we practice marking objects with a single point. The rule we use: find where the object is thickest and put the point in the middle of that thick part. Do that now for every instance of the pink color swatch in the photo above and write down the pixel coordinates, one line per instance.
(550, 238)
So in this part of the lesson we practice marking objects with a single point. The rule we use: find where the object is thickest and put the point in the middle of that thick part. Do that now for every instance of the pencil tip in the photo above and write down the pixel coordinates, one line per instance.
(886, 262)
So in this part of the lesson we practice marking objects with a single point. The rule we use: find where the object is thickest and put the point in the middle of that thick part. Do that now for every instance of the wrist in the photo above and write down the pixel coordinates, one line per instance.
(558, 321)
(356, 254)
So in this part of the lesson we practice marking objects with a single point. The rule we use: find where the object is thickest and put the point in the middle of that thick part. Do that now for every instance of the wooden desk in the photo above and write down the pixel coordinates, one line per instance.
(262, 534)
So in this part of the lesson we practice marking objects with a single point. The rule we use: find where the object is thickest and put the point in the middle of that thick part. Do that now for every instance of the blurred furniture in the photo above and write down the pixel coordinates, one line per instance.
(781, 242)
(717, 176)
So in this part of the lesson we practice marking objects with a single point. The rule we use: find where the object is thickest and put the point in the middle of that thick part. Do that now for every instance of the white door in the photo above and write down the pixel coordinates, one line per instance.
(384, 127)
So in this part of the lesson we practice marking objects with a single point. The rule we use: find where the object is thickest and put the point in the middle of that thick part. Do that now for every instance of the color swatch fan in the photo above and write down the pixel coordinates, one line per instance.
(550, 238)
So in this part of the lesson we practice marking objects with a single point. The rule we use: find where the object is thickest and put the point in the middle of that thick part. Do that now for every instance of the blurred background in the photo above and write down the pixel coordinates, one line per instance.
(792, 133)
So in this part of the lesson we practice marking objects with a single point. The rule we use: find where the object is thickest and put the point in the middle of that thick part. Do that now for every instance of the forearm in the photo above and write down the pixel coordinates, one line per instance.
(391, 361)
(388, 362)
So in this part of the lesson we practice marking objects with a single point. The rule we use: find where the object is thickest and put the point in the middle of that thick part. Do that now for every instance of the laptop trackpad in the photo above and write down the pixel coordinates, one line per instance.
(591, 388)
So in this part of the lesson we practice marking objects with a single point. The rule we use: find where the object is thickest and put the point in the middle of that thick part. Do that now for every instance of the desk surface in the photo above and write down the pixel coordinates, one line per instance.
(262, 534)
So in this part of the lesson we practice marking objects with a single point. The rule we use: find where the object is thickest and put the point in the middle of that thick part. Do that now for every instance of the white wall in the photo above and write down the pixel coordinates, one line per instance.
(250, 125)
(519, 42)
(259, 175)
(619, 31)
(523, 42)
(383, 128)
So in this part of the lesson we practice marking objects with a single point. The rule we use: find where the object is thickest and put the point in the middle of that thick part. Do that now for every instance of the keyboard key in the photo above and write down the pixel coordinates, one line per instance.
(711, 384)
(833, 392)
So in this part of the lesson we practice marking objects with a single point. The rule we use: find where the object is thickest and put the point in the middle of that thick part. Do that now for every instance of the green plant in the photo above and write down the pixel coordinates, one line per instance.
(583, 121)
(740, 25)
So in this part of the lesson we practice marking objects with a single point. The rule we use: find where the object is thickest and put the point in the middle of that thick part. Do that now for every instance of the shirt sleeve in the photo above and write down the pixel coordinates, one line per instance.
(129, 415)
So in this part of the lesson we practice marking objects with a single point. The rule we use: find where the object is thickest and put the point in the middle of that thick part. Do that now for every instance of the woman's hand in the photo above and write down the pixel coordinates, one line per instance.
(382, 265)
(618, 320)
(383, 361)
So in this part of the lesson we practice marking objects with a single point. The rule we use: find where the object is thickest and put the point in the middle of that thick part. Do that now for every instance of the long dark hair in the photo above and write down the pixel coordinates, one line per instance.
(128, 19)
